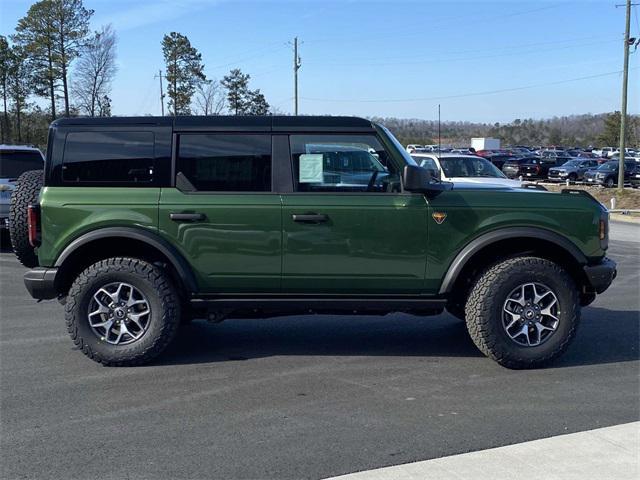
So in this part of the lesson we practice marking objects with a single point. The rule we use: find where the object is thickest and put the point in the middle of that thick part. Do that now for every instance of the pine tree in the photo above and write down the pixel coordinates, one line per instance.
(184, 70)
(237, 85)
(19, 86)
(5, 61)
(52, 33)
(36, 35)
(258, 104)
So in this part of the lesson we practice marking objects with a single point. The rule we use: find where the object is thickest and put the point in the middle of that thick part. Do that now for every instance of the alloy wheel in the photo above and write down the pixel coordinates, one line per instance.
(531, 314)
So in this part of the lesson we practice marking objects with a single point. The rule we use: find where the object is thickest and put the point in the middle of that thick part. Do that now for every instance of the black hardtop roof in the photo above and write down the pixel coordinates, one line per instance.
(228, 122)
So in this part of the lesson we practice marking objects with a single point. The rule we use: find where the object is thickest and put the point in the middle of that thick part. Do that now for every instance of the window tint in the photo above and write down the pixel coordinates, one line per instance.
(226, 163)
(108, 157)
(342, 163)
(14, 163)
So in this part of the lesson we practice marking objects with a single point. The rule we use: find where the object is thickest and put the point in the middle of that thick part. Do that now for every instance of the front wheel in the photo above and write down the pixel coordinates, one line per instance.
(610, 182)
(523, 312)
(122, 311)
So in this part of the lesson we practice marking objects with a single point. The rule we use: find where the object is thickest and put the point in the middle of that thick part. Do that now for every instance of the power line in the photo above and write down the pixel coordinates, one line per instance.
(429, 56)
(460, 59)
(475, 94)
(434, 25)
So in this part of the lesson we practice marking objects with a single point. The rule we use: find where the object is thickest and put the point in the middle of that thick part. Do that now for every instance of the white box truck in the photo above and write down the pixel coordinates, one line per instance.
(485, 143)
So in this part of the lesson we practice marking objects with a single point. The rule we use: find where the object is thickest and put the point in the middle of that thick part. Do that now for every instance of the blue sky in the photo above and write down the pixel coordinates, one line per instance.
(384, 58)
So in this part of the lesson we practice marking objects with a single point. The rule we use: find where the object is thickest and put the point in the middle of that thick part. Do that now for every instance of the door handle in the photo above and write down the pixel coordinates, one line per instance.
(186, 217)
(310, 217)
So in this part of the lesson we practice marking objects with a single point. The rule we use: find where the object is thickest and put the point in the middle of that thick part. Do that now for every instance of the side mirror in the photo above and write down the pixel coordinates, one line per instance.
(418, 179)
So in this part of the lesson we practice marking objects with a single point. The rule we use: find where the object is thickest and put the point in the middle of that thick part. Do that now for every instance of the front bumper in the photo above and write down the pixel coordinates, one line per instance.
(594, 180)
(40, 283)
(600, 275)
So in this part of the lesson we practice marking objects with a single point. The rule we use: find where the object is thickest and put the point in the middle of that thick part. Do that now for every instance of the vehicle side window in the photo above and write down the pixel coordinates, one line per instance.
(14, 163)
(342, 163)
(226, 162)
(103, 156)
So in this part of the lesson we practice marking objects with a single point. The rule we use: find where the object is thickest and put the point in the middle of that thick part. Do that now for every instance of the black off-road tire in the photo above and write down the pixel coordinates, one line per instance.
(609, 182)
(26, 193)
(573, 178)
(152, 282)
(486, 300)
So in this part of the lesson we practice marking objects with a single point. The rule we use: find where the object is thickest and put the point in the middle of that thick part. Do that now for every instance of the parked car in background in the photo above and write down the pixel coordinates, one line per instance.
(603, 152)
(607, 173)
(499, 159)
(14, 161)
(556, 153)
(412, 147)
(634, 176)
(538, 168)
(572, 170)
(464, 169)
(511, 168)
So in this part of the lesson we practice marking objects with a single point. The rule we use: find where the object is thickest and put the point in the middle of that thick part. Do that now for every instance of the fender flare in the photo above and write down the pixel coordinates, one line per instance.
(178, 262)
(486, 239)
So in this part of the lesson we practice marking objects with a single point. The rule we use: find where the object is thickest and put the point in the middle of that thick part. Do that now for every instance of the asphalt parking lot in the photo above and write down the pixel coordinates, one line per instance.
(300, 397)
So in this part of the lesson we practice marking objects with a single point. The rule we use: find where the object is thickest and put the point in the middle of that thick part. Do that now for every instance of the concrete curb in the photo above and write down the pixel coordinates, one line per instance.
(618, 217)
(611, 452)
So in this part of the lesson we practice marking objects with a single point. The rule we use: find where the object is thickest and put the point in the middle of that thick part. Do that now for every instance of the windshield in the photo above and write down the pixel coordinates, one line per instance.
(399, 147)
(608, 166)
(572, 163)
(14, 163)
(469, 167)
(429, 164)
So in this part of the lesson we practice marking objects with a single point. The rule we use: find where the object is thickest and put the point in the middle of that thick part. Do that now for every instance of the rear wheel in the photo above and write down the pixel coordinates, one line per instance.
(523, 312)
(26, 193)
(122, 311)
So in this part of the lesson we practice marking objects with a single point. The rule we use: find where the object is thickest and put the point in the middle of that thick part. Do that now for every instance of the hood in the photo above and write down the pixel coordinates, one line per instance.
(489, 182)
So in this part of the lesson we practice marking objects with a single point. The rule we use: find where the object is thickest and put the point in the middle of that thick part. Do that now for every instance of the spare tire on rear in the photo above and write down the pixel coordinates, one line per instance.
(26, 193)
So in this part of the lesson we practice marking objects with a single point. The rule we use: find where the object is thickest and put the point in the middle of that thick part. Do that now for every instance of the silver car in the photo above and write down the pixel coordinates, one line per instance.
(573, 170)
(14, 161)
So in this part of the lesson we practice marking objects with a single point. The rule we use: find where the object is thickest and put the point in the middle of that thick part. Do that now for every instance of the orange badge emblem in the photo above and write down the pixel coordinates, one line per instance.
(439, 217)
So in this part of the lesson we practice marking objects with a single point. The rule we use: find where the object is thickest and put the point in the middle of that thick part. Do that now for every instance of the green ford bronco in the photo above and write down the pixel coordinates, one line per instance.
(140, 224)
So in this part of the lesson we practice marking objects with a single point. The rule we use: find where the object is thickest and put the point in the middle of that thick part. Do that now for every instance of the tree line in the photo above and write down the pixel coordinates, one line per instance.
(574, 130)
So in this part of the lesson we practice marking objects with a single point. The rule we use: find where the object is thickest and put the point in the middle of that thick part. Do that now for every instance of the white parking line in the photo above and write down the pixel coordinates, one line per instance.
(612, 452)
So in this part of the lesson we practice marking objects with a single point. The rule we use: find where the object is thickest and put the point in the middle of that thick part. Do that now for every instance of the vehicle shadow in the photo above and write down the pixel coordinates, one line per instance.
(604, 336)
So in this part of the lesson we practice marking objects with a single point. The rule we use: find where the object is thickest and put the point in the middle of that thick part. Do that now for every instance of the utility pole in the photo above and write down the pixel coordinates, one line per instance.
(439, 139)
(161, 94)
(297, 63)
(623, 110)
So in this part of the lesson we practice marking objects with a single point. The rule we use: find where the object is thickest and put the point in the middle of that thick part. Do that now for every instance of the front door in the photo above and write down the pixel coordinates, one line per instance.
(347, 227)
(222, 214)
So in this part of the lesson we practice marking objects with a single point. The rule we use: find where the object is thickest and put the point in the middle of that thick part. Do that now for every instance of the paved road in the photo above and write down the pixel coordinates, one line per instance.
(304, 397)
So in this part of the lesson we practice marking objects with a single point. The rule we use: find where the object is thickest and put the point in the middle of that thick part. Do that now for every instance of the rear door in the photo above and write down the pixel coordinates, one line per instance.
(222, 213)
(347, 227)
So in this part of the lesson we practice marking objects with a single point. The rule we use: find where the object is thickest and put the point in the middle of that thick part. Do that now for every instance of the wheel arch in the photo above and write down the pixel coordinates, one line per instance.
(109, 242)
(509, 242)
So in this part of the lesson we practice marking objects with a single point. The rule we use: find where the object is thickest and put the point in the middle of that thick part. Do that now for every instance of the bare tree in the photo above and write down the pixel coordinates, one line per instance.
(95, 72)
(210, 98)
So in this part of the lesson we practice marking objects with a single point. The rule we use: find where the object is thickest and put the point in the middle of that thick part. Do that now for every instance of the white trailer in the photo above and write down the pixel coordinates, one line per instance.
(485, 143)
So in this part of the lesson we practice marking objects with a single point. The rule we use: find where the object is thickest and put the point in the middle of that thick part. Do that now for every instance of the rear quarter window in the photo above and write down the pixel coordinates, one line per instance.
(14, 163)
(108, 157)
